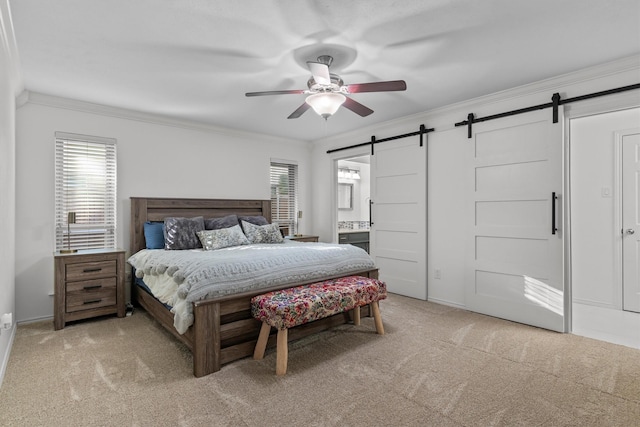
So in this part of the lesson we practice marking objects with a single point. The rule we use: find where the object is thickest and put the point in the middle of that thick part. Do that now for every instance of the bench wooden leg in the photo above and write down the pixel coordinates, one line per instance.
(377, 317)
(282, 352)
(356, 316)
(261, 345)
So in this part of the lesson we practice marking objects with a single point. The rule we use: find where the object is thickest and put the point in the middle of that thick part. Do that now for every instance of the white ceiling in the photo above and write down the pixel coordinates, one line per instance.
(196, 59)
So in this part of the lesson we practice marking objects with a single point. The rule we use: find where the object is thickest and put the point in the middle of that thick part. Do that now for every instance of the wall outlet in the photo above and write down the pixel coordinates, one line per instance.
(437, 274)
(6, 321)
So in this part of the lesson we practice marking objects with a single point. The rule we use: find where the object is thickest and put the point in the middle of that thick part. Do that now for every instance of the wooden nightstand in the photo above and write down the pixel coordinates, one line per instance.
(88, 284)
(304, 238)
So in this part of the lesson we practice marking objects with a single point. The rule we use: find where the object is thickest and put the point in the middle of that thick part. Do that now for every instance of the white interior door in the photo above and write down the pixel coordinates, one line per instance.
(515, 270)
(631, 220)
(398, 236)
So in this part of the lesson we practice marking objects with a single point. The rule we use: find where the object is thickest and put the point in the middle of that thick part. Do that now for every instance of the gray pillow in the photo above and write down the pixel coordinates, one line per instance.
(269, 233)
(180, 233)
(222, 238)
(256, 220)
(218, 223)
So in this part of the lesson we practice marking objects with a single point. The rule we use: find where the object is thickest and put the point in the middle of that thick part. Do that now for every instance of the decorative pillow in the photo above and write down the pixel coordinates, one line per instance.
(180, 233)
(154, 235)
(269, 233)
(222, 238)
(218, 223)
(256, 220)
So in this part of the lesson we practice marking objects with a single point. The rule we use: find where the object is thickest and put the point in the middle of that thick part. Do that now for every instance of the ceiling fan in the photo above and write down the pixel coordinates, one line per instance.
(327, 92)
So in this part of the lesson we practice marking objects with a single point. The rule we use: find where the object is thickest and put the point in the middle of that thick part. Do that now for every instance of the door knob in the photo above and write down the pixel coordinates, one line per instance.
(630, 231)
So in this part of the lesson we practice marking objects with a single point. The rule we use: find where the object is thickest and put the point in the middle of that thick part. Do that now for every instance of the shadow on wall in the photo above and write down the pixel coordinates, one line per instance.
(30, 305)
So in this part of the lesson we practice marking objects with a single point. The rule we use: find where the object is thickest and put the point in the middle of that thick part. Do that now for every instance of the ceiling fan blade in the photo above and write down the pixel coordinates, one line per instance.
(356, 107)
(276, 92)
(389, 86)
(320, 72)
(301, 109)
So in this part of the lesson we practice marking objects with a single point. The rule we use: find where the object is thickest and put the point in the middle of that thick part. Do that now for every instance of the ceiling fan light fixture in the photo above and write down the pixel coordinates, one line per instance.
(326, 104)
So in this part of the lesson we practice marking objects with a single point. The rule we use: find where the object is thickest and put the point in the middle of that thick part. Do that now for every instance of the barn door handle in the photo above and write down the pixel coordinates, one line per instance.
(370, 219)
(553, 213)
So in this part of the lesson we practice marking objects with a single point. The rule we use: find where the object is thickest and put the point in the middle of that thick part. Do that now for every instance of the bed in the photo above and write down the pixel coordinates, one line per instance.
(223, 329)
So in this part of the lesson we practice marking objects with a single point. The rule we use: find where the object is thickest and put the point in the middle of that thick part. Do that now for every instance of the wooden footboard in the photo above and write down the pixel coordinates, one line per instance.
(223, 329)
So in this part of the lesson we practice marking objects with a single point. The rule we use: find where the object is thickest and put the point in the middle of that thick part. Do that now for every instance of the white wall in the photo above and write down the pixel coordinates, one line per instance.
(449, 164)
(161, 160)
(10, 86)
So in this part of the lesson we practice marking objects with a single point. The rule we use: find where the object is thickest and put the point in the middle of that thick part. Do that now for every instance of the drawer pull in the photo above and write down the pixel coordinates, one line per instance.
(86, 288)
(93, 301)
(91, 270)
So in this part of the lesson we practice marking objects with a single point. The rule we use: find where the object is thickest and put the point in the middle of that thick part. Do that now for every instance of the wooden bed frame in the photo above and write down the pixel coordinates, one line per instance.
(223, 329)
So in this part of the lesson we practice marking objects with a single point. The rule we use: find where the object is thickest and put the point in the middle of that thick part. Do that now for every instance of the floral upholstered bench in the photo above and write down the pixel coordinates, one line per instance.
(291, 307)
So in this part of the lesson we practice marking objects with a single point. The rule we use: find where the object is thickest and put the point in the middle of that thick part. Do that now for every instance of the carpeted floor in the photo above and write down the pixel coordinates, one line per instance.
(436, 365)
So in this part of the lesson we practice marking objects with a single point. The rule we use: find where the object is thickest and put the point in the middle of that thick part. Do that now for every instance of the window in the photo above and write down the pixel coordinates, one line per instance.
(284, 196)
(85, 180)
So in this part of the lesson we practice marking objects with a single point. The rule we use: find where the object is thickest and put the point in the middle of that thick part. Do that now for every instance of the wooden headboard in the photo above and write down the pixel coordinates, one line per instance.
(157, 209)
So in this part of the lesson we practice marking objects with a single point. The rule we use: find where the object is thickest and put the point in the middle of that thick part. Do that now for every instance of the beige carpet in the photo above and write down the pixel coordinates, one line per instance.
(436, 365)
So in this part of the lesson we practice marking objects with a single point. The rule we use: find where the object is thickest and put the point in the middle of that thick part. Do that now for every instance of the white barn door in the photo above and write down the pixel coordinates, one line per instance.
(515, 270)
(398, 236)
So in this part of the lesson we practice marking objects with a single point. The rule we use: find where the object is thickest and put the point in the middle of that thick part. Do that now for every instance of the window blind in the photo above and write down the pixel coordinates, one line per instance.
(85, 184)
(284, 195)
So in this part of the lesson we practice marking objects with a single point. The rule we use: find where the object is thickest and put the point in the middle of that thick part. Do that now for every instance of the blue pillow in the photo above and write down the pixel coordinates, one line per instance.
(154, 235)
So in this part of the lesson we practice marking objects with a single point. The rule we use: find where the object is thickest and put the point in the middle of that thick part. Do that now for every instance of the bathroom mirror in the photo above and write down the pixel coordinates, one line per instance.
(345, 196)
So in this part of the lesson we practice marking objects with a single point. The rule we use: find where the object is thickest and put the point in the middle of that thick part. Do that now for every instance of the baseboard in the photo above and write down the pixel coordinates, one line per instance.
(595, 303)
(445, 302)
(7, 353)
(35, 319)
(605, 324)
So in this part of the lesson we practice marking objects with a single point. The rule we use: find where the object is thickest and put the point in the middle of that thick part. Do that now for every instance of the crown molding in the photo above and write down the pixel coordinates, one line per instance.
(442, 118)
(37, 98)
(547, 87)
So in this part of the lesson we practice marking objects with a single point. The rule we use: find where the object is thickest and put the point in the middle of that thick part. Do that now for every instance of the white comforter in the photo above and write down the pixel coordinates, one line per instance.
(179, 278)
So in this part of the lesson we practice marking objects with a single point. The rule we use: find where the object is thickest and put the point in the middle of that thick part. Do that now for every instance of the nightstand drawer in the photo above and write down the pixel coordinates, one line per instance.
(91, 294)
(91, 270)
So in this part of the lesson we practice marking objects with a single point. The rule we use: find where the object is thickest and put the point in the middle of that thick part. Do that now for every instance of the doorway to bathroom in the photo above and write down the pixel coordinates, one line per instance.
(354, 197)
